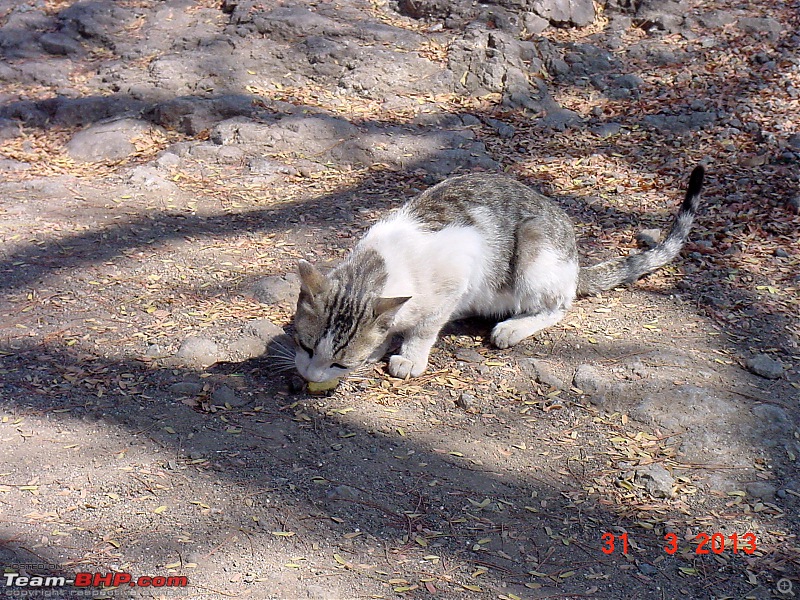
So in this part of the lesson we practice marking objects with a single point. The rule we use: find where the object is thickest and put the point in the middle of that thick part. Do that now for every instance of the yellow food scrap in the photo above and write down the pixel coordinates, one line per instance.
(319, 387)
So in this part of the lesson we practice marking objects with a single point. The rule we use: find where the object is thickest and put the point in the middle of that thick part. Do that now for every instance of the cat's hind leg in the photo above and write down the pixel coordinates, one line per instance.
(545, 280)
(512, 331)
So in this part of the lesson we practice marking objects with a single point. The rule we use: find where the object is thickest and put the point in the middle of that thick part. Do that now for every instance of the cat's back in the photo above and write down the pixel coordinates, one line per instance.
(479, 199)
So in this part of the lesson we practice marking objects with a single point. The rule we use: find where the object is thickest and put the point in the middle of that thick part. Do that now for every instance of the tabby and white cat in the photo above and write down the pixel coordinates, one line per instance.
(478, 244)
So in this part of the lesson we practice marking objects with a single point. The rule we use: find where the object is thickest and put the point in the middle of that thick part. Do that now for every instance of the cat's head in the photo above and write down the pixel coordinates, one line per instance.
(339, 324)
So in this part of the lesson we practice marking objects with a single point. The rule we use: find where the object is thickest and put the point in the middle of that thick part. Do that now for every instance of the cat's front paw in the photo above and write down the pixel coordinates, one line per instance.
(403, 368)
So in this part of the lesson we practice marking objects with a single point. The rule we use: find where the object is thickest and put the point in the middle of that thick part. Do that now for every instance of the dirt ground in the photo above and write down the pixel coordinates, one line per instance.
(497, 474)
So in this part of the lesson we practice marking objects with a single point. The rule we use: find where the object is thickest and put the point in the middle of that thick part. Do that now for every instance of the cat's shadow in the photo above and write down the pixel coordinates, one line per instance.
(471, 326)
(274, 361)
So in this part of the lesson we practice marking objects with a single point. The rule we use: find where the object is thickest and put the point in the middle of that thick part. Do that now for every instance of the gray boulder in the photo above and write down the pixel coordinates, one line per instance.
(60, 43)
(107, 141)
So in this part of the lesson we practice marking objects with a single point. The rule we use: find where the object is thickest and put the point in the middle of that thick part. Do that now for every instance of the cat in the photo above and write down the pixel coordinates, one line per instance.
(478, 244)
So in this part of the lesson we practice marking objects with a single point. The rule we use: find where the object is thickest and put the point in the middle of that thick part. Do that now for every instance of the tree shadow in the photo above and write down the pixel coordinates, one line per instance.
(297, 473)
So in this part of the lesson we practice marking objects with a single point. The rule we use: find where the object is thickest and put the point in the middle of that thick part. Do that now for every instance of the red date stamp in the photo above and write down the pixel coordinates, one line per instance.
(705, 543)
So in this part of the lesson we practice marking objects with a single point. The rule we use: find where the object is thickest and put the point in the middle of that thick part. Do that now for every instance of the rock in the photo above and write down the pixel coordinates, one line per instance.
(773, 426)
(761, 490)
(544, 373)
(503, 130)
(263, 329)
(551, 58)
(649, 237)
(781, 253)
(636, 369)
(466, 401)
(52, 71)
(277, 289)
(248, 346)
(60, 43)
(225, 395)
(647, 569)
(587, 59)
(565, 12)
(95, 20)
(344, 492)
(684, 407)
(168, 161)
(772, 413)
(794, 204)
(588, 379)
(9, 129)
(20, 28)
(766, 26)
(764, 366)
(193, 115)
(681, 123)
(151, 178)
(794, 141)
(221, 155)
(8, 165)
(628, 82)
(607, 130)
(721, 483)
(269, 168)
(666, 15)
(716, 19)
(657, 480)
(199, 351)
(469, 355)
(560, 119)
(502, 14)
(156, 351)
(533, 23)
(424, 9)
(107, 141)
(186, 388)
(487, 61)
(81, 112)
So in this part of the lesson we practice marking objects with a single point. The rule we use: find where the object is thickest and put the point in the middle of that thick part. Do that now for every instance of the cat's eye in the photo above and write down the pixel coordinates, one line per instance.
(339, 366)
(309, 351)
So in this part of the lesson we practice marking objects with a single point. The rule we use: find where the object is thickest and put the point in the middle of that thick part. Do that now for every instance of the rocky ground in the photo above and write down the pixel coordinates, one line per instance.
(164, 165)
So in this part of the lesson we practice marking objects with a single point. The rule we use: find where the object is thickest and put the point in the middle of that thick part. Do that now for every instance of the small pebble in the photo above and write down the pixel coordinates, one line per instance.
(761, 490)
(186, 388)
(297, 384)
(466, 401)
(764, 366)
(647, 569)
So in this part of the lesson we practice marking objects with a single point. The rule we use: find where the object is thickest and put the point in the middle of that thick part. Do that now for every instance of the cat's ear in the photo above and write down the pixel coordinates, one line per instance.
(388, 307)
(311, 280)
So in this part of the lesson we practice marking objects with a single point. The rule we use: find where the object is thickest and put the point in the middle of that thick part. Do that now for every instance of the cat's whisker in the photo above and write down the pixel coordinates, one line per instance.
(282, 347)
(282, 360)
(286, 355)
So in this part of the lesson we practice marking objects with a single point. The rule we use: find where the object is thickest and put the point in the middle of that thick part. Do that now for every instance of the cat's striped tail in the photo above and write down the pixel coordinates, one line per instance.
(623, 270)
